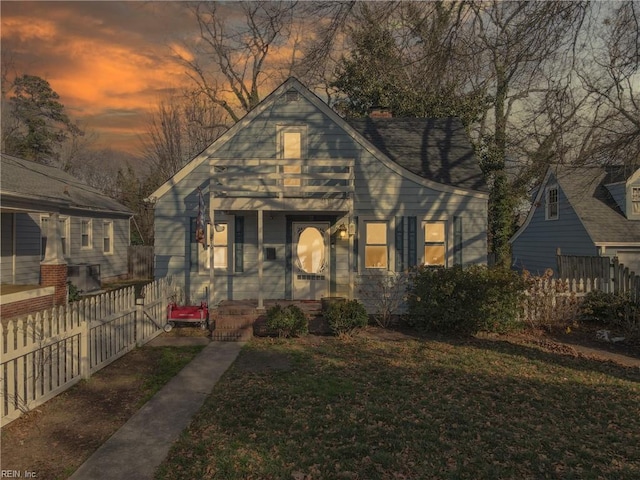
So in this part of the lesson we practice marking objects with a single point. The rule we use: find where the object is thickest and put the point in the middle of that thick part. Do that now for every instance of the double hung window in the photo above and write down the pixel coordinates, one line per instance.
(435, 244)
(376, 249)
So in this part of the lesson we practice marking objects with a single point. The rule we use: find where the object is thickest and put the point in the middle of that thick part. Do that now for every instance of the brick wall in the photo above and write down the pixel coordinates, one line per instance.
(23, 307)
(55, 276)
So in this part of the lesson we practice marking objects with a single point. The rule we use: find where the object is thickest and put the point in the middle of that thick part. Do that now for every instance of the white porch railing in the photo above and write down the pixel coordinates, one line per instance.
(45, 354)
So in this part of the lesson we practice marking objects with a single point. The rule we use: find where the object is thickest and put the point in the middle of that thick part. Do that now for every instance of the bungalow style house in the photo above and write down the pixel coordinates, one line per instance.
(590, 211)
(302, 204)
(52, 222)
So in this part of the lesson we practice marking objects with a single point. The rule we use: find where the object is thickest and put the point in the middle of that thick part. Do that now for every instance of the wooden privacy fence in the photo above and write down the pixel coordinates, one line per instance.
(47, 353)
(140, 261)
(611, 275)
(575, 267)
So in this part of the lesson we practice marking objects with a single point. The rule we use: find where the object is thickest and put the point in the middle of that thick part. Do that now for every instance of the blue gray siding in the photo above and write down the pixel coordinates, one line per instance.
(21, 263)
(618, 192)
(536, 246)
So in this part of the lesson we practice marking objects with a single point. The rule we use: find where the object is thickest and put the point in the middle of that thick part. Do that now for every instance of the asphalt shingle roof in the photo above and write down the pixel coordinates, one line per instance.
(437, 149)
(46, 185)
(585, 188)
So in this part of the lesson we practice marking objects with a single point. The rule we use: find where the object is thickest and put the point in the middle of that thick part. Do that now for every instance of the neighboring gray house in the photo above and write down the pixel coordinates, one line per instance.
(305, 204)
(591, 211)
(94, 228)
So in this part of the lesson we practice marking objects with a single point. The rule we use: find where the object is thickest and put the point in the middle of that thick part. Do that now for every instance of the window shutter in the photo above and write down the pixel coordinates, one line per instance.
(399, 244)
(413, 241)
(239, 244)
(457, 240)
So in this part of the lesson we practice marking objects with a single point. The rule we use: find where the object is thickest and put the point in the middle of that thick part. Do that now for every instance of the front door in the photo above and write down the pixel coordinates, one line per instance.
(310, 260)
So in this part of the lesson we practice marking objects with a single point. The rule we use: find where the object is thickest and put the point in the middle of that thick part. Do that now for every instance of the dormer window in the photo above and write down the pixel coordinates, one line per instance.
(551, 204)
(635, 200)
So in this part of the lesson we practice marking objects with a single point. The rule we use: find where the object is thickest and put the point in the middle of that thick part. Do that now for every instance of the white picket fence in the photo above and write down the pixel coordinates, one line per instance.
(45, 354)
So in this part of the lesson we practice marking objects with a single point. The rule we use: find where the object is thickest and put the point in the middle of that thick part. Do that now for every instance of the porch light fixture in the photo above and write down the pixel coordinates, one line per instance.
(219, 227)
(342, 231)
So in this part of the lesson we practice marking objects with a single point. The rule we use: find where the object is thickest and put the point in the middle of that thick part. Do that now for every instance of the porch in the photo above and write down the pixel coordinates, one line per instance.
(302, 214)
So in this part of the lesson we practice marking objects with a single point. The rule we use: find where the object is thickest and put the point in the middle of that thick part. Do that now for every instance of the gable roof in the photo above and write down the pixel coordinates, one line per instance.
(586, 191)
(434, 148)
(604, 221)
(419, 172)
(31, 186)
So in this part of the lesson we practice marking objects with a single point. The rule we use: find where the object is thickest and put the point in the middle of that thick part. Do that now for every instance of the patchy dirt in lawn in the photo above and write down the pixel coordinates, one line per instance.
(54, 439)
(580, 341)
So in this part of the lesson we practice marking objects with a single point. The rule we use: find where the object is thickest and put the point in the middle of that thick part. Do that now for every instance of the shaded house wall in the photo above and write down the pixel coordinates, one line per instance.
(536, 246)
(22, 247)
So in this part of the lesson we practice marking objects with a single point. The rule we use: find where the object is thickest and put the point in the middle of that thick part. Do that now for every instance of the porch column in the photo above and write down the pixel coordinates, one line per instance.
(260, 258)
(209, 231)
(351, 237)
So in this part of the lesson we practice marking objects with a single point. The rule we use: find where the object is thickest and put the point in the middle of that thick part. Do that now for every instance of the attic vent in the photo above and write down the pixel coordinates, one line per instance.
(292, 96)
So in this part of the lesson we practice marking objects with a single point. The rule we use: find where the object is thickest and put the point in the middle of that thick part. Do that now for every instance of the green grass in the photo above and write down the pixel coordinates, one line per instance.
(169, 362)
(419, 409)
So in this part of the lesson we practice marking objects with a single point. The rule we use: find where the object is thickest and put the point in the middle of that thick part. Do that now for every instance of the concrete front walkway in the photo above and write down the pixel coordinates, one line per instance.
(140, 446)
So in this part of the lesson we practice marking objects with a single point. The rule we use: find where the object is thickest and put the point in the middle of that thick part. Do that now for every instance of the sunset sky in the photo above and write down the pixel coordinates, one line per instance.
(110, 62)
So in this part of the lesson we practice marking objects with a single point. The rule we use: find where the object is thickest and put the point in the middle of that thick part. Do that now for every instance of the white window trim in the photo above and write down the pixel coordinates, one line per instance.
(90, 233)
(282, 129)
(547, 194)
(448, 239)
(362, 243)
(110, 229)
(231, 228)
(634, 204)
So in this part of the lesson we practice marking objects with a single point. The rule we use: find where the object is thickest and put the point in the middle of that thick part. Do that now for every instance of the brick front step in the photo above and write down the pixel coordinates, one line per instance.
(233, 321)
(233, 335)
(240, 320)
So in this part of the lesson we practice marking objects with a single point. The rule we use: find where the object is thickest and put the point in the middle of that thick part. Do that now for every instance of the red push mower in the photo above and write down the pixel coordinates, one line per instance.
(187, 314)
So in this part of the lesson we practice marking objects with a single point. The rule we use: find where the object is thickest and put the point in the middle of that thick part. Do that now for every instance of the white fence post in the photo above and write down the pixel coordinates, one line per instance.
(138, 320)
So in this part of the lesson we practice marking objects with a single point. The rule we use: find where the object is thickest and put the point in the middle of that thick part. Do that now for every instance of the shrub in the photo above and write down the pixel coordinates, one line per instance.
(384, 293)
(549, 303)
(464, 300)
(611, 310)
(74, 293)
(345, 317)
(289, 321)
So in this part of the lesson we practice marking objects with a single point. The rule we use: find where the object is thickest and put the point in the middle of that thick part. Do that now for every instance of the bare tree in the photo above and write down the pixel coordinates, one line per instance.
(230, 60)
(611, 76)
(517, 43)
(181, 127)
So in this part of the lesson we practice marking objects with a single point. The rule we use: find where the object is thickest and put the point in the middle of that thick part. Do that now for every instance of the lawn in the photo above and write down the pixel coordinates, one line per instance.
(370, 408)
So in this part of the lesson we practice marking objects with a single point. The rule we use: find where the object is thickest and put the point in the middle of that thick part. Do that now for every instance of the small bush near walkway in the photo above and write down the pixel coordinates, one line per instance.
(289, 321)
(345, 317)
(464, 300)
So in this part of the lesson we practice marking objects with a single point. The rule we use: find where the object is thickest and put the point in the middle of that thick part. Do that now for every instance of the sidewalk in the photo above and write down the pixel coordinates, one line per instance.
(136, 449)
